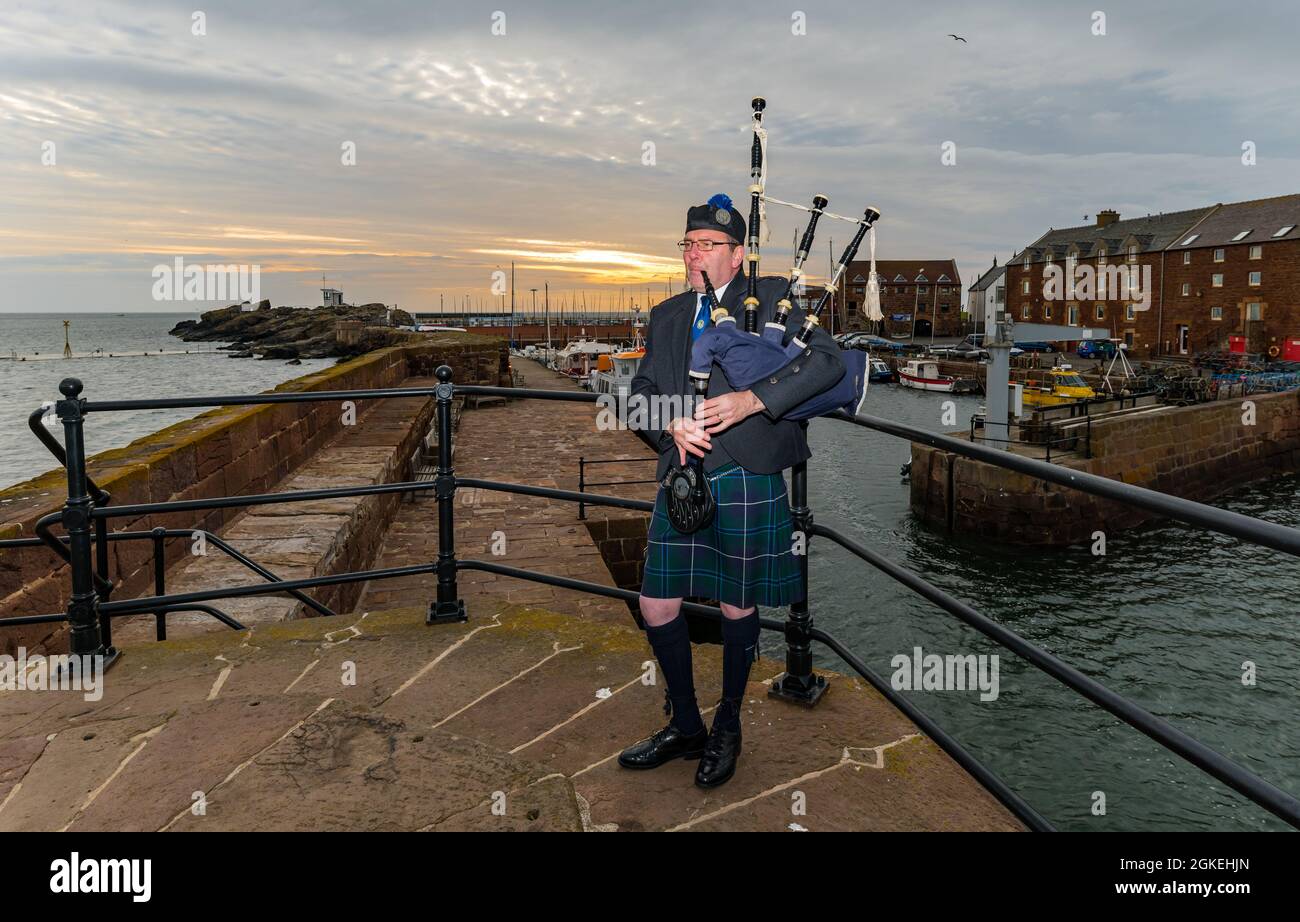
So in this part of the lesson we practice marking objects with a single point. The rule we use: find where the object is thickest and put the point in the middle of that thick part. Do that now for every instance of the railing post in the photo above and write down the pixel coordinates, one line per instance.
(448, 606)
(160, 579)
(106, 585)
(83, 606)
(582, 488)
(799, 683)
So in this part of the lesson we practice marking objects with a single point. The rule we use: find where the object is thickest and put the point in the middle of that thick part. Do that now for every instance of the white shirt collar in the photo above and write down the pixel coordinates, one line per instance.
(718, 291)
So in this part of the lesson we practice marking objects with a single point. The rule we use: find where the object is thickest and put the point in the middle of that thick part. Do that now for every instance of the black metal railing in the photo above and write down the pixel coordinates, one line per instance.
(1044, 437)
(583, 482)
(799, 683)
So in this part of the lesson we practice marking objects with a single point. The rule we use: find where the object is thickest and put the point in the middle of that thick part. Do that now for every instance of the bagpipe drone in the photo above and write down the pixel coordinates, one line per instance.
(747, 356)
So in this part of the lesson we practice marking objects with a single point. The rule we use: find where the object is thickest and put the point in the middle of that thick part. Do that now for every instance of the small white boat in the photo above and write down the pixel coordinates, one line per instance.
(613, 375)
(923, 375)
(578, 359)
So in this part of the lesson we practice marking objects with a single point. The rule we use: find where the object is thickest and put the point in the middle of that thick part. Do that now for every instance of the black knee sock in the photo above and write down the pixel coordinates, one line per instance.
(739, 647)
(672, 645)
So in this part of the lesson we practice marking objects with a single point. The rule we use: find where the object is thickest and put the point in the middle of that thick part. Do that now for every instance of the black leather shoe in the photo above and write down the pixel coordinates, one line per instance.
(718, 763)
(663, 746)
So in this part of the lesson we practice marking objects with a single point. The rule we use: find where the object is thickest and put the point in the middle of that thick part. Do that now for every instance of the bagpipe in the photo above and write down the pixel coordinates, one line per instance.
(747, 356)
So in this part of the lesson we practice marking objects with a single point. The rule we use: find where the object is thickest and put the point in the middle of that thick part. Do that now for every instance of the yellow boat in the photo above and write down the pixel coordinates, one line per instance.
(1061, 385)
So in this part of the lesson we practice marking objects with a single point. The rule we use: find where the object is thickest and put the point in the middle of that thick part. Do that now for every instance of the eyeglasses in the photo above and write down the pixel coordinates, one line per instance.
(704, 246)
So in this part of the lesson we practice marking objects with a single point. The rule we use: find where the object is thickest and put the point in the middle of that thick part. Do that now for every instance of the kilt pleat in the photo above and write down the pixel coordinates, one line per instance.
(744, 557)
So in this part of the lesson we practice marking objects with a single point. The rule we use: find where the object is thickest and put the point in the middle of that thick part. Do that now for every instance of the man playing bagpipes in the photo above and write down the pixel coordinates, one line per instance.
(740, 443)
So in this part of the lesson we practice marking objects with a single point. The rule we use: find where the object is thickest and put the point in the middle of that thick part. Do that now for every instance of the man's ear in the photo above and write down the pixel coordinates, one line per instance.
(737, 257)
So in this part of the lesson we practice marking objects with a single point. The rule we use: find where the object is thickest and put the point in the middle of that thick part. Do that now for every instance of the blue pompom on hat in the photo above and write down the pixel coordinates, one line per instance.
(719, 214)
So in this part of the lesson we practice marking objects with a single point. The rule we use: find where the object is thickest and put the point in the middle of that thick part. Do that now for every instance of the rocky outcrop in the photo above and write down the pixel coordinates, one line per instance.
(290, 333)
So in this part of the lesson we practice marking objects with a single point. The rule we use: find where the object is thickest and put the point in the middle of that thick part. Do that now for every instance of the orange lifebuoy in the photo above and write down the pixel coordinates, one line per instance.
(1273, 352)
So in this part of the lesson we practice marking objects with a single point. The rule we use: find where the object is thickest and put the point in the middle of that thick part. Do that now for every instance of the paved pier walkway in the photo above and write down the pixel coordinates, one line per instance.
(535, 442)
(512, 721)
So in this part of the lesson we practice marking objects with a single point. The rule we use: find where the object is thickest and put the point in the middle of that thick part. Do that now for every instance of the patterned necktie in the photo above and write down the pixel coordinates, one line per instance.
(702, 318)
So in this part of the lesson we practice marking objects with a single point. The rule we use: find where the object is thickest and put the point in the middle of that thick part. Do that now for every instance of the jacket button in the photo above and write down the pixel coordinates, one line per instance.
(796, 369)
(772, 381)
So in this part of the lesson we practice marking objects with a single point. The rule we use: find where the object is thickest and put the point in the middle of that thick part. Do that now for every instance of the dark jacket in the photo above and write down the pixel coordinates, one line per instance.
(763, 443)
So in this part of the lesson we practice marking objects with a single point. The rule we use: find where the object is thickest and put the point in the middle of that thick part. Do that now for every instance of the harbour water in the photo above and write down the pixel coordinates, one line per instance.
(26, 385)
(1166, 618)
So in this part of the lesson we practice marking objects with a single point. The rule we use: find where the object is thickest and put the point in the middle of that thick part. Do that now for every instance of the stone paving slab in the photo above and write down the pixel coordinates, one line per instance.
(510, 721)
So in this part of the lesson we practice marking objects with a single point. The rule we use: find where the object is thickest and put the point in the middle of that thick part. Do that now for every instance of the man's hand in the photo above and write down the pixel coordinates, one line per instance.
(725, 410)
(689, 437)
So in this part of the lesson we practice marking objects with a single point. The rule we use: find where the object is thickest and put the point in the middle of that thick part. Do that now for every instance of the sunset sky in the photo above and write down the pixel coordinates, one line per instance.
(474, 149)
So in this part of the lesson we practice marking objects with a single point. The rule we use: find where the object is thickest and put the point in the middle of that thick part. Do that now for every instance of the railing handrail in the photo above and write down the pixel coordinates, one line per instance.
(450, 607)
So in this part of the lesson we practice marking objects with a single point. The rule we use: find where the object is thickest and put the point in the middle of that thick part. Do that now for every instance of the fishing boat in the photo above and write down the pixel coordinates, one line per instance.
(878, 370)
(578, 359)
(614, 372)
(1059, 385)
(924, 376)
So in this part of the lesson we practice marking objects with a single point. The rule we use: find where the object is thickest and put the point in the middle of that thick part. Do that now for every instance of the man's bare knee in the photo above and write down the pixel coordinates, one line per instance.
(732, 612)
(657, 612)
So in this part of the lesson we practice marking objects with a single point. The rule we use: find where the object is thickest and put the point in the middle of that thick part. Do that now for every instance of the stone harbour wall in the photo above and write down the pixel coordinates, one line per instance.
(1195, 452)
(224, 452)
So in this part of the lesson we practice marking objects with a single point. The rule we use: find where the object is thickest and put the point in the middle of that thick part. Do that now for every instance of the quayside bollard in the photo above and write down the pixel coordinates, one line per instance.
(83, 606)
(448, 606)
(799, 683)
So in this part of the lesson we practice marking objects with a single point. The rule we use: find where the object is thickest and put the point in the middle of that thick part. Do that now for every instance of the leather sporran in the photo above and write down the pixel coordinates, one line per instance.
(688, 496)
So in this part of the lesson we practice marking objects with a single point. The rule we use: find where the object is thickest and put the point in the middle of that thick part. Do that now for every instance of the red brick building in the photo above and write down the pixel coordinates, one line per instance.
(920, 297)
(1218, 277)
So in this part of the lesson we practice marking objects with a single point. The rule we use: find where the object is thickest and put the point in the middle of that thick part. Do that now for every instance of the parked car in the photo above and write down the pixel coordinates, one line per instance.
(1036, 347)
(1096, 349)
(972, 347)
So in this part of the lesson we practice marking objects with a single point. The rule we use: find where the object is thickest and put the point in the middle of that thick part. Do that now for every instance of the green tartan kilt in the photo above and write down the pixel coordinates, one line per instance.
(744, 557)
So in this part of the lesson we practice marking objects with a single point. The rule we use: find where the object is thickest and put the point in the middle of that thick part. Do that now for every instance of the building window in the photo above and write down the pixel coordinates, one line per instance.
(1257, 252)
(944, 307)
(1256, 278)
(1001, 296)
(1190, 240)
(1216, 280)
(1216, 313)
(1254, 311)
(1187, 288)
(1101, 312)
(1242, 236)
(1187, 257)
(1074, 315)
(1024, 287)
(1047, 312)
(1024, 312)
(1218, 255)
(1128, 338)
(1128, 312)
(1284, 231)
(1132, 253)
(922, 289)
(1026, 260)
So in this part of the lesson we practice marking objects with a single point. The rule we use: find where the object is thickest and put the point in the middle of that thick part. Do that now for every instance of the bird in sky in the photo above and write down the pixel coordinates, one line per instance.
(957, 37)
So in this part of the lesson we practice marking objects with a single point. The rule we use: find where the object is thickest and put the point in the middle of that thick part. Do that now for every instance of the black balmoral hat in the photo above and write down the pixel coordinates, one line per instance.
(717, 214)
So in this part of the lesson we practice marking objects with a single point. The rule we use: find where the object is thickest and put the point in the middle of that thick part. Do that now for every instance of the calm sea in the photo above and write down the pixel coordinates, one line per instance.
(1166, 618)
(25, 386)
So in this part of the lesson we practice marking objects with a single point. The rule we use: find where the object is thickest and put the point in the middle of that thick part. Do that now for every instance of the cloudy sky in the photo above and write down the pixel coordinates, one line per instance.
(473, 149)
